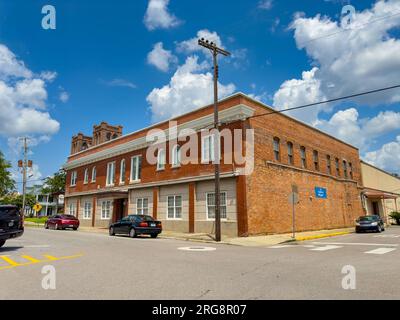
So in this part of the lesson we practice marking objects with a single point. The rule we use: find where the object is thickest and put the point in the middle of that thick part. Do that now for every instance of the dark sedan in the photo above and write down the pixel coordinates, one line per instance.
(11, 223)
(370, 223)
(134, 225)
(62, 221)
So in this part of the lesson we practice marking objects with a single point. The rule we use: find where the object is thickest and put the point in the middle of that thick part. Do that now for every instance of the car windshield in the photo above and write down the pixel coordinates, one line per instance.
(369, 218)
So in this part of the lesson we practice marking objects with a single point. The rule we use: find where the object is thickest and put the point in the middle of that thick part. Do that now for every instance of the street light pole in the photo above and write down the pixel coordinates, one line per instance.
(215, 51)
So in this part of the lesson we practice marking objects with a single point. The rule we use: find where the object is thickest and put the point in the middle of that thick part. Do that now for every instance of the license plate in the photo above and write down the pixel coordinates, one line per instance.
(11, 223)
(152, 224)
(71, 225)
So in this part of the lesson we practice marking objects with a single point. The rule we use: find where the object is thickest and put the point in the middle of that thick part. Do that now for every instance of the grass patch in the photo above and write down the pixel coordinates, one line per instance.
(40, 220)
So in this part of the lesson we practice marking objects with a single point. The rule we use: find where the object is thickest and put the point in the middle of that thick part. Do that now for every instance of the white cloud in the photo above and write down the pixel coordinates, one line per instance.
(158, 17)
(387, 157)
(188, 89)
(10, 66)
(191, 45)
(265, 4)
(346, 61)
(64, 96)
(22, 99)
(347, 126)
(161, 58)
(119, 83)
(49, 76)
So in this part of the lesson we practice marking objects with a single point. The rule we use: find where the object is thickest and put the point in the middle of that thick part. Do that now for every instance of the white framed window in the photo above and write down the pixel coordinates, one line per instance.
(210, 203)
(142, 206)
(136, 168)
(110, 173)
(72, 209)
(105, 210)
(207, 149)
(174, 207)
(122, 172)
(74, 176)
(176, 156)
(86, 176)
(161, 159)
(87, 210)
(94, 173)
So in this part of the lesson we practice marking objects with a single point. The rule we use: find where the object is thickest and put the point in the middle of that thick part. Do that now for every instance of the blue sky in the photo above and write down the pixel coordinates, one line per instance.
(99, 68)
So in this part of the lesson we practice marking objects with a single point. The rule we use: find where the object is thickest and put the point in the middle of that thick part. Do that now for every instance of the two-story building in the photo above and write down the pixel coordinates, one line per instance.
(110, 175)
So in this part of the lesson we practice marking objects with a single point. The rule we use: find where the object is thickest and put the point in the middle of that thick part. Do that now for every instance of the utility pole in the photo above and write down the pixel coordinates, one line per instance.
(25, 163)
(215, 51)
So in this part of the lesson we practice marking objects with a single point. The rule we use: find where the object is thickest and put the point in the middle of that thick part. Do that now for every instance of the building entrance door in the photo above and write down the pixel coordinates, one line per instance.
(119, 209)
(375, 208)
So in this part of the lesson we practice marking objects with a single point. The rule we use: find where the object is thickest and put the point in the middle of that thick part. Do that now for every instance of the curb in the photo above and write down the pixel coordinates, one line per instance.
(319, 236)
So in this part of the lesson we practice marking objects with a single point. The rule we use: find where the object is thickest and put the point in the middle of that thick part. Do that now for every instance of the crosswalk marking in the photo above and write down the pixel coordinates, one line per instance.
(326, 248)
(283, 246)
(380, 251)
(359, 244)
(387, 236)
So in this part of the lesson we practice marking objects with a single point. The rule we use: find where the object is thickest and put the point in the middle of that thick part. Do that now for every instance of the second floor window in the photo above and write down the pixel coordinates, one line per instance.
(316, 160)
(277, 155)
(328, 165)
(122, 172)
(303, 157)
(74, 176)
(94, 174)
(161, 159)
(351, 170)
(110, 174)
(337, 167)
(86, 177)
(290, 153)
(136, 168)
(345, 169)
(176, 156)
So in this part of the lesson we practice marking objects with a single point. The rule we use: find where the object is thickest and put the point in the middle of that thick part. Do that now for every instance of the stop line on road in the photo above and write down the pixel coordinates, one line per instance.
(321, 246)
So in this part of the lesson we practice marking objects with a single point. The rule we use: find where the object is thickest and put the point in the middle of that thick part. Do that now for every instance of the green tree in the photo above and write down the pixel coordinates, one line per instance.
(55, 184)
(16, 200)
(7, 184)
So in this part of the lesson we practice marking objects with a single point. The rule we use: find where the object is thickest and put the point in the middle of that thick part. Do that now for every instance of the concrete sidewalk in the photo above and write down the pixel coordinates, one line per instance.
(253, 241)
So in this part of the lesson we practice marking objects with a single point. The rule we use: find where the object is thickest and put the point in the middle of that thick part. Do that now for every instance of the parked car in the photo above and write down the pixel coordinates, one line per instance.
(370, 223)
(11, 223)
(134, 225)
(62, 221)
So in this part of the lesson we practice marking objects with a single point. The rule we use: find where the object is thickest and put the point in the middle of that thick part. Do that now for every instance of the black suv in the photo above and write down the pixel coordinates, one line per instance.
(11, 223)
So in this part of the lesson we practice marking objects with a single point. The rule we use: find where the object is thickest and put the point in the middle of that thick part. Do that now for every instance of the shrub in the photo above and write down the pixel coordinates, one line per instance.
(395, 216)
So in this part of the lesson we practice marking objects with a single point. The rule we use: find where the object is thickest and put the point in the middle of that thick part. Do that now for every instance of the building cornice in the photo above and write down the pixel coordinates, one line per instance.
(238, 112)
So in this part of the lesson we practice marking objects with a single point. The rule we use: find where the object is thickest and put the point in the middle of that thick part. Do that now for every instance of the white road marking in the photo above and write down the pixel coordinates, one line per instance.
(325, 248)
(358, 244)
(283, 246)
(38, 246)
(380, 251)
(387, 236)
(197, 248)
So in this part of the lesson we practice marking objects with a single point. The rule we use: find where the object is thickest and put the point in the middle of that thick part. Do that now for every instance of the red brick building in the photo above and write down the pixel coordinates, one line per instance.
(109, 176)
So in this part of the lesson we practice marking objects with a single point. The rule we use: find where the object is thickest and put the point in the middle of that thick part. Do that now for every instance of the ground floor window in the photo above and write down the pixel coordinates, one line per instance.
(211, 205)
(174, 207)
(72, 209)
(87, 210)
(142, 206)
(106, 210)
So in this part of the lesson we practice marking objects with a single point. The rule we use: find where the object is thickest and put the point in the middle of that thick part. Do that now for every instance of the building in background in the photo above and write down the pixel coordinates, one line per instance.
(381, 193)
(111, 177)
(51, 203)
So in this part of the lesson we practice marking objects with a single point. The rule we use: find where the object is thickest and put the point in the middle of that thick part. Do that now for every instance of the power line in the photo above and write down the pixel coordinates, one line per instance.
(327, 101)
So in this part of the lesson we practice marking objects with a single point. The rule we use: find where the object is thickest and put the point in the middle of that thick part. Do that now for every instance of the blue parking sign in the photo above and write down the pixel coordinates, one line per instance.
(321, 193)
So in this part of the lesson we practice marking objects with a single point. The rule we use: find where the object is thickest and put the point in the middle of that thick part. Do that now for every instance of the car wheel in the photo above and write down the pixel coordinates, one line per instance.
(132, 233)
(46, 226)
(56, 226)
(111, 231)
(379, 230)
(154, 236)
(75, 228)
(2, 242)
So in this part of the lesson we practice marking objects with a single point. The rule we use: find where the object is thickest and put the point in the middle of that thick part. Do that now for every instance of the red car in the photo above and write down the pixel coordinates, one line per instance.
(62, 221)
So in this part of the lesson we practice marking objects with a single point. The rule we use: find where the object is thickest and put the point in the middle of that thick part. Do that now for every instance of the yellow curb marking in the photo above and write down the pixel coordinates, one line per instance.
(49, 258)
(322, 236)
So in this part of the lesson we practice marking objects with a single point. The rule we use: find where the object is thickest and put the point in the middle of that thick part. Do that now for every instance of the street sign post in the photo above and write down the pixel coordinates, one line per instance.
(293, 200)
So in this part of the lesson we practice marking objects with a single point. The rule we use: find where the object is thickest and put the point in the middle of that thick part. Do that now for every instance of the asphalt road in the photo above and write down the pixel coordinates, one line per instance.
(96, 266)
